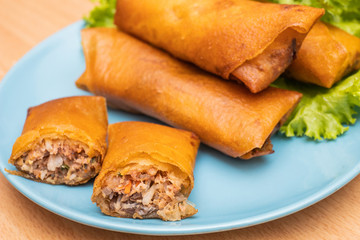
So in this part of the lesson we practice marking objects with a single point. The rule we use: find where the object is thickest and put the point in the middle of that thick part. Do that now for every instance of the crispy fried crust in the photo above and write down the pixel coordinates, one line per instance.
(221, 35)
(326, 56)
(223, 114)
(172, 151)
(72, 120)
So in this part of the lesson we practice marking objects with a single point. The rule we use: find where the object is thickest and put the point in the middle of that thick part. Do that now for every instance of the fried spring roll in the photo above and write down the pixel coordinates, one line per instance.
(326, 56)
(147, 172)
(135, 76)
(63, 141)
(247, 41)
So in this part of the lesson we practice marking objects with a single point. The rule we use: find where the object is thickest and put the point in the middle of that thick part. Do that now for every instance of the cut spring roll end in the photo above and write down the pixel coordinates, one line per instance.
(146, 189)
(57, 145)
(147, 173)
(58, 161)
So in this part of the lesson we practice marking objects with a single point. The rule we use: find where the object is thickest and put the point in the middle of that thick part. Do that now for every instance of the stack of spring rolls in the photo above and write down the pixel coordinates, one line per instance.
(246, 41)
(212, 81)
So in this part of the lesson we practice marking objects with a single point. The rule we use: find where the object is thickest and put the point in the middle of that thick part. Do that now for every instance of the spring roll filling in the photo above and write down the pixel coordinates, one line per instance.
(59, 161)
(149, 193)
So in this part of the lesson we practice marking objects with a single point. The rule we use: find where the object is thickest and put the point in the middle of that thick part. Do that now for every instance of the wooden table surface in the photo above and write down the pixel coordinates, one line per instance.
(23, 24)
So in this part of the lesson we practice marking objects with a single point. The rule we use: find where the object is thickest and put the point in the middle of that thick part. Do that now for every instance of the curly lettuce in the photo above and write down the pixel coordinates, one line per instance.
(344, 14)
(102, 15)
(322, 112)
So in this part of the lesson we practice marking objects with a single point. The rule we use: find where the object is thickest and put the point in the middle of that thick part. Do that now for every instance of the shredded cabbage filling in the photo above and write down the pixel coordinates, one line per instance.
(146, 194)
(58, 161)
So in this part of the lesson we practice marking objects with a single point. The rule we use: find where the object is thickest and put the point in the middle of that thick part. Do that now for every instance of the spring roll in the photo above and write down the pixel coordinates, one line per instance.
(247, 41)
(63, 141)
(147, 172)
(135, 76)
(326, 56)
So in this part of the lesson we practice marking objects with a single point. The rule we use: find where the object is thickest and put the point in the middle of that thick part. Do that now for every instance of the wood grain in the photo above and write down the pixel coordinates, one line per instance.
(25, 23)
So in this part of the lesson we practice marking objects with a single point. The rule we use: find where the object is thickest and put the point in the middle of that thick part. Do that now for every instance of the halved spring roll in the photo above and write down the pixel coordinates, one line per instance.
(63, 141)
(137, 77)
(247, 41)
(326, 56)
(147, 172)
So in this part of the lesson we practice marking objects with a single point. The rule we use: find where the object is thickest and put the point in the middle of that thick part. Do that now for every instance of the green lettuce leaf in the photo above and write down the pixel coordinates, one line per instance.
(102, 15)
(322, 112)
(344, 14)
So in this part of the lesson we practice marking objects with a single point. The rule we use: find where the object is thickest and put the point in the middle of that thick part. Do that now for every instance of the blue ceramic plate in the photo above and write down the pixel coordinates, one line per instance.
(229, 193)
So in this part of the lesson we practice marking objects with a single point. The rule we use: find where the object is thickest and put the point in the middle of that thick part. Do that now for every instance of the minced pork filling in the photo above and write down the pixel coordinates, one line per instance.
(147, 194)
(58, 161)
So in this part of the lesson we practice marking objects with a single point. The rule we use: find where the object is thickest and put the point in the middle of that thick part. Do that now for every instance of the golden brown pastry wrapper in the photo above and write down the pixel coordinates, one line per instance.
(225, 115)
(80, 119)
(152, 145)
(326, 56)
(248, 41)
